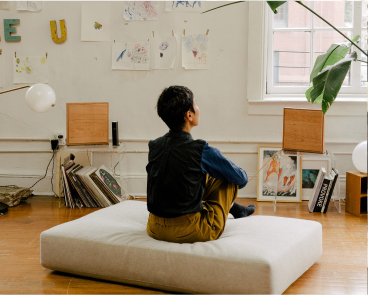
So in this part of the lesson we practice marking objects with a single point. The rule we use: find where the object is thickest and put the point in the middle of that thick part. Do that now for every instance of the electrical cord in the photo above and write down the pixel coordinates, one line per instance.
(52, 173)
(131, 197)
(114, 168)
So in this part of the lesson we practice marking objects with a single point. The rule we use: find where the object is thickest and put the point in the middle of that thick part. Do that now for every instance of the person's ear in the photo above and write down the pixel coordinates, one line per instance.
(189, 116)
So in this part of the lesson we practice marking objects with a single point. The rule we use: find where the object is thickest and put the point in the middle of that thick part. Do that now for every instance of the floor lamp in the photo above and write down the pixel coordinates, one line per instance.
(39, 97)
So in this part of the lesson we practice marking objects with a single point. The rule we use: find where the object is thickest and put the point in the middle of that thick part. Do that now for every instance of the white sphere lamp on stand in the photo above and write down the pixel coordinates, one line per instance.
(360, 157)
(39, 97)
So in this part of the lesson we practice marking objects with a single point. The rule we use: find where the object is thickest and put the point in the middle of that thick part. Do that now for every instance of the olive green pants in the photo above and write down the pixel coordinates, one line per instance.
(207, 225)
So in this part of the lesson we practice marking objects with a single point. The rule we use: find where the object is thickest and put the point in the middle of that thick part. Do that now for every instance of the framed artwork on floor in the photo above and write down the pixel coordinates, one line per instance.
(311, 167)
(285, 173)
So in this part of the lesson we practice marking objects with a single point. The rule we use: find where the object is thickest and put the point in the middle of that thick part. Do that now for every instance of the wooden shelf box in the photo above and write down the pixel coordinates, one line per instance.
(356, 193)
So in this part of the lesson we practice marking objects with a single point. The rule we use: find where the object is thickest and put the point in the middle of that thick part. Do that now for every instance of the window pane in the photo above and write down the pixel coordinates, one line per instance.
(364, 13)
(323, 41)
(291, 58)
(338, 13)
(363, 67)
(292, 15)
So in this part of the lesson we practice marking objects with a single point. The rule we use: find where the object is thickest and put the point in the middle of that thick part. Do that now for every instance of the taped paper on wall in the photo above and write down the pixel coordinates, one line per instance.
(195, 52)
(163, 52)
(184, 6)
(95, 21)
(141, 10)
(29, 5)
(131, 56)
(4, 5)
(30, 69)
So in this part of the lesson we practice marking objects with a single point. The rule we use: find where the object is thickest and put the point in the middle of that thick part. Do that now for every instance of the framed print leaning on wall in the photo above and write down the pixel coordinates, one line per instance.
(286, 172)
(311, 167)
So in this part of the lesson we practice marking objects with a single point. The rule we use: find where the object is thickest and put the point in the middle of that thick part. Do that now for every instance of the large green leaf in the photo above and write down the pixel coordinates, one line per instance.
(327, 84)
(231, 3)
(335, 53)
(275, 4)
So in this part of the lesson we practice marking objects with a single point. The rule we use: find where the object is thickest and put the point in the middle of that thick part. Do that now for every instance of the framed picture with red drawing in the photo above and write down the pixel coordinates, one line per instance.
(281, 173)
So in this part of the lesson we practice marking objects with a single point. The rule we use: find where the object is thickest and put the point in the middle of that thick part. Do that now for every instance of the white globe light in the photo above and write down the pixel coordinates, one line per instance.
(360, 157)
(40, 98)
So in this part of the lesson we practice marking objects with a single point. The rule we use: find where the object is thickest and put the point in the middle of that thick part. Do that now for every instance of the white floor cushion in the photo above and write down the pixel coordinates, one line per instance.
(255, 255)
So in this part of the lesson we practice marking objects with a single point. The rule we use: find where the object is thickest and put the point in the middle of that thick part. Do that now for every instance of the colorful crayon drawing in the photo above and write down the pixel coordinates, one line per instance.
(185, 6)
(164, 45)
(95, 22)
(131, 55)
(4, 5)
(141, 10)
(97, 26)
(164, 50)
(29, 5)
(195, 51)
(32, 69)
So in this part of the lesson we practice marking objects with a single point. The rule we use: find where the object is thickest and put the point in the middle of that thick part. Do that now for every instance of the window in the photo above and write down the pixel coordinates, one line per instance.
(296, 38)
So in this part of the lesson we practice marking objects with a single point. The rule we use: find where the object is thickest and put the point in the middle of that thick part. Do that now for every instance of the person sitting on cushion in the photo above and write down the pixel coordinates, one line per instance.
(191, 186)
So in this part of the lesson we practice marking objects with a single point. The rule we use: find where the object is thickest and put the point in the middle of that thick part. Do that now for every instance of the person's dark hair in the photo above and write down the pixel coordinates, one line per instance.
(172, 105)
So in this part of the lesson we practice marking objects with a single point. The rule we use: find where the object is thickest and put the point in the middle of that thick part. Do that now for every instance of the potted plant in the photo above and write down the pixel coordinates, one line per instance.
(302, 126)
(330, 68)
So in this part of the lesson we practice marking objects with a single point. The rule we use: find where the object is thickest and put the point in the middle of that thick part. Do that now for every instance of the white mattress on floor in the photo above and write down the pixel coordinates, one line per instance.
(255, 255)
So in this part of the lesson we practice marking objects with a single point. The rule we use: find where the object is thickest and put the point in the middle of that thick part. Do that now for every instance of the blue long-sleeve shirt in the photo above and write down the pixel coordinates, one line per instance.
(217, 166)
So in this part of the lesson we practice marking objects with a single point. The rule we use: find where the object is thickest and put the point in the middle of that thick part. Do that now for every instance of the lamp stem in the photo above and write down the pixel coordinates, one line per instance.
(14, 89)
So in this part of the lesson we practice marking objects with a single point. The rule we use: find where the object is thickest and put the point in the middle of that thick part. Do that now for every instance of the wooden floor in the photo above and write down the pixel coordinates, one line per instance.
(342, 269)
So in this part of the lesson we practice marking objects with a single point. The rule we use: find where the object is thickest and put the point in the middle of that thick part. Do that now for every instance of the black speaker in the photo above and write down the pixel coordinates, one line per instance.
(115, 134)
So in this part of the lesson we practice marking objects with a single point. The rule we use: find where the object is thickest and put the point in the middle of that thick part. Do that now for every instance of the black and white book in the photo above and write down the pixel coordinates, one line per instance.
(317, 187)
(335, 175)
(323, 193)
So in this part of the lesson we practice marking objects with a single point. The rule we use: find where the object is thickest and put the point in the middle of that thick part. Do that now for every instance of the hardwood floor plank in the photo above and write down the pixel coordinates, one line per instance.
(342, 268)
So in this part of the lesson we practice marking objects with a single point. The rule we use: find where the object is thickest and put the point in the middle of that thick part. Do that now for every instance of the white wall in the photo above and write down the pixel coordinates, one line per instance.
(81, 72)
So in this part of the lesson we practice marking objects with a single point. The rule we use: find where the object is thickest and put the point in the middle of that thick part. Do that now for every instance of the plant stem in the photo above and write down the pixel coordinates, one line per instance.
(222, 6)
(299, 2)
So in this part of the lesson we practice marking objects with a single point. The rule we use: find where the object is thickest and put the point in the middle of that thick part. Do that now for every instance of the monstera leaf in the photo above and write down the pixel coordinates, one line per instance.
(275, 4)
(327, 84)
(335, 53)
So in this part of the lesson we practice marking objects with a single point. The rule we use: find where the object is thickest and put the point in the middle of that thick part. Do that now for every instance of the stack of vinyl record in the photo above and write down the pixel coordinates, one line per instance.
(89, 186)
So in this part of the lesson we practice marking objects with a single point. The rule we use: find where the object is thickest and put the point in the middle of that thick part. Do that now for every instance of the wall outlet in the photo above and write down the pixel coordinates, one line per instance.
(60, 137)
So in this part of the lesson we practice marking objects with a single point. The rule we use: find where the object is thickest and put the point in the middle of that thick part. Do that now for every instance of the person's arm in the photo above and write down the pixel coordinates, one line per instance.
(217, 166)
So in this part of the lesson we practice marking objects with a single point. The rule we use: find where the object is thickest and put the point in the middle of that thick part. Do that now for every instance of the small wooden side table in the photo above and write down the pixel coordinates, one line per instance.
(356, 193)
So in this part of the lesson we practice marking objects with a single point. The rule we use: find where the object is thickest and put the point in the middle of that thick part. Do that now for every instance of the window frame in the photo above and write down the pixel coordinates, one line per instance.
(260, 104)
(354, 90)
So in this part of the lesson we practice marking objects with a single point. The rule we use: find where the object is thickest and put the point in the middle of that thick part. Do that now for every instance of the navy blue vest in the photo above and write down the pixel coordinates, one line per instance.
(176, 182)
